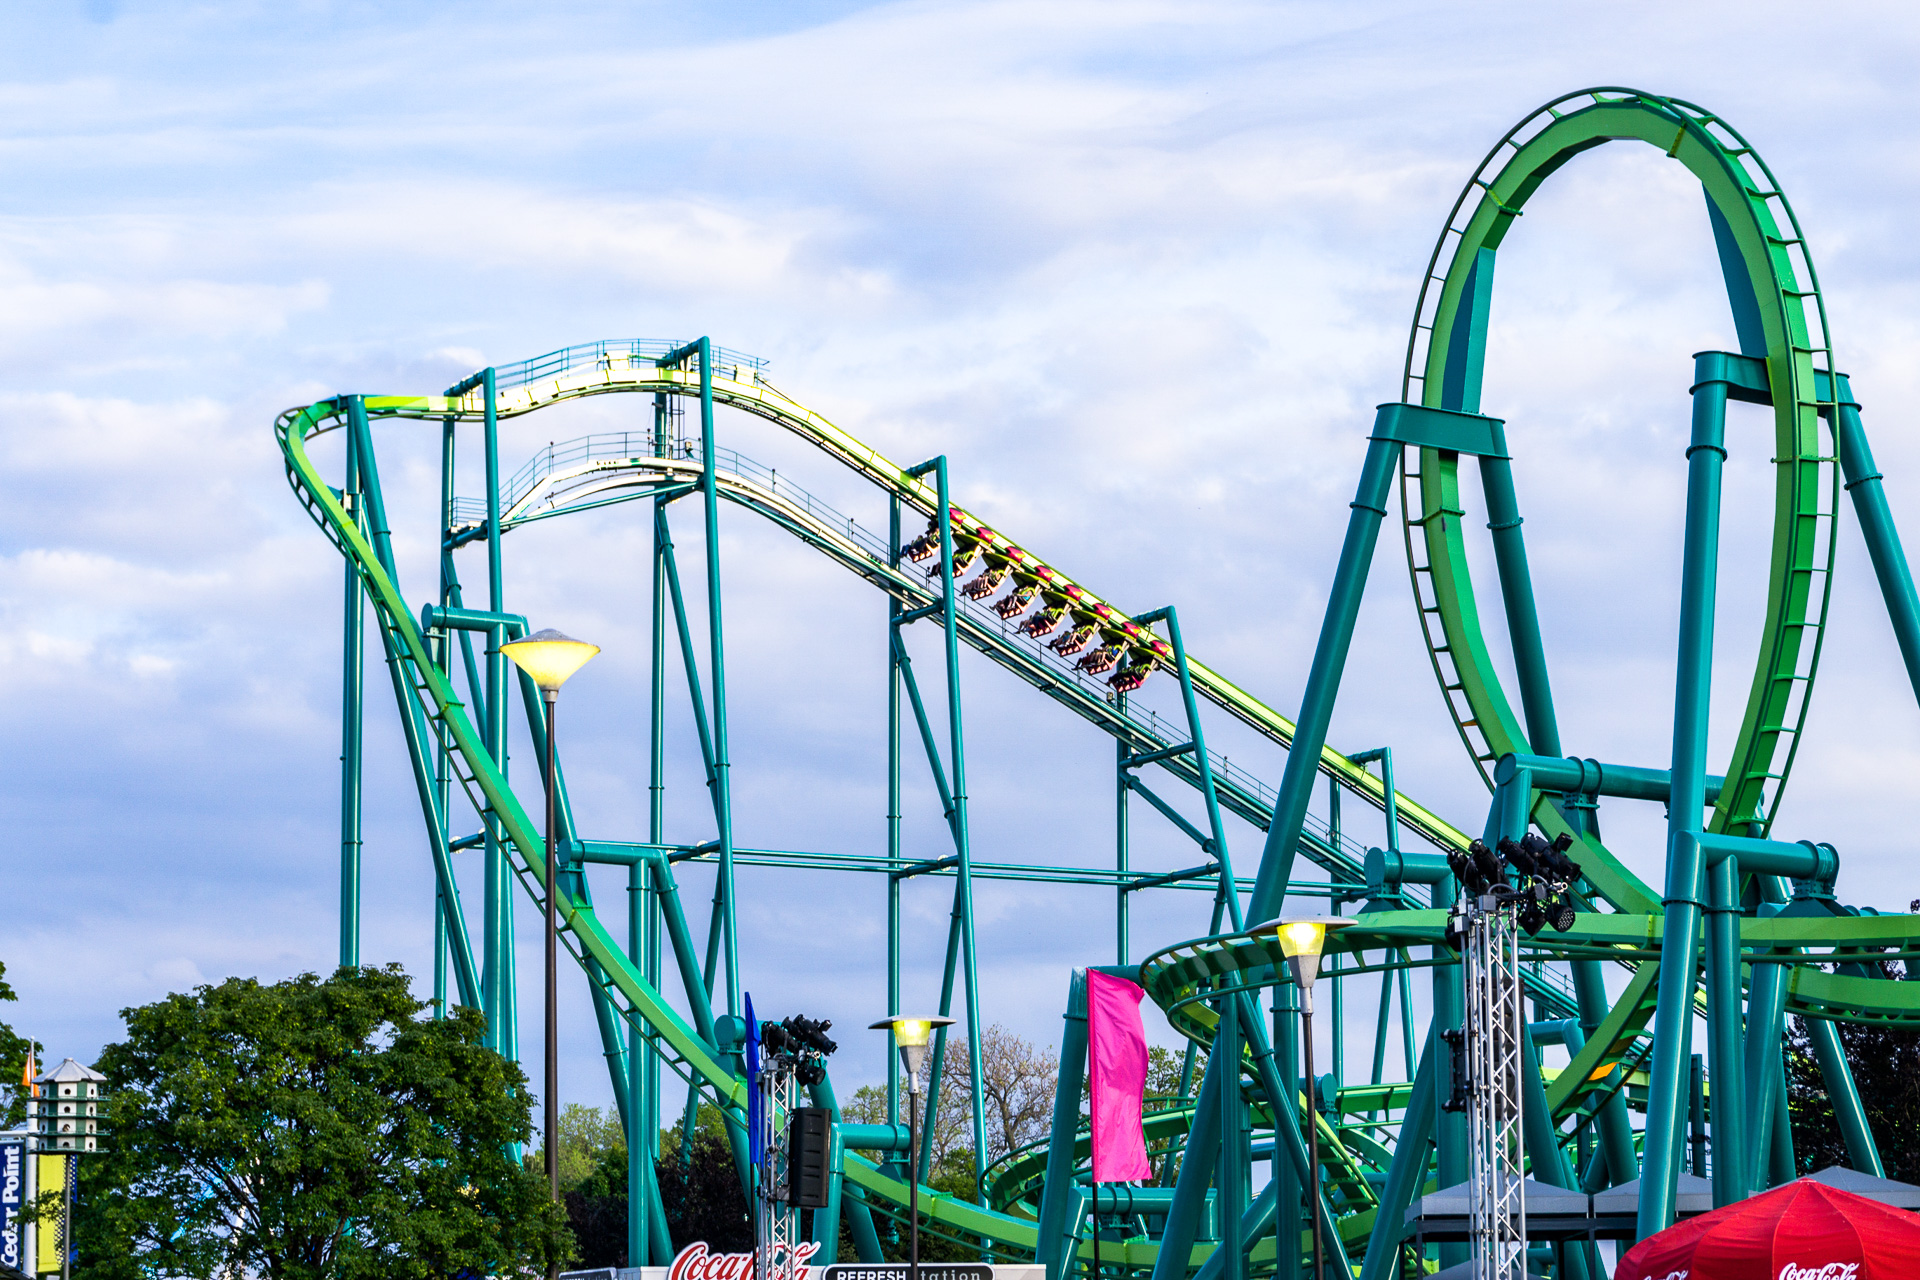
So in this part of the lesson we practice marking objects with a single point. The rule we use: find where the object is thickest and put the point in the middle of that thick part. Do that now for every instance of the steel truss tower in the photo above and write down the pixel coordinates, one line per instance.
(1491, 1032)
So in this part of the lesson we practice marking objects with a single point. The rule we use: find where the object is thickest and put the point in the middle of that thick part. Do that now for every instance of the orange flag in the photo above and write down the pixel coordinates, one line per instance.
(26, 1076)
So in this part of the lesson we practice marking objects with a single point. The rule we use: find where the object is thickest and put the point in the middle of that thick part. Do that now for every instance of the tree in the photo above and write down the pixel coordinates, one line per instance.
(311, 1130)
(589, 1137)
(700, 1192)
(1164, 1069)
(1885, 1062)
(13, 1061)
(1016, 1086)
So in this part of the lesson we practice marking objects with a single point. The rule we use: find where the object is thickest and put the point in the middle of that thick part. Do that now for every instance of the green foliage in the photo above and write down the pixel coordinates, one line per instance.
(1164, 1067)
(589, 1138)
(311, 1130)
(700, 1194)
(13, 1060)
(1885, 1062)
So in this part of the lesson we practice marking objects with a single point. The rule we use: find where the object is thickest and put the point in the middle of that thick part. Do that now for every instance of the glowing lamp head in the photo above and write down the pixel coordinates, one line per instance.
(1301, 937)
(1301, 941)
(549, 657)
(911, 1036)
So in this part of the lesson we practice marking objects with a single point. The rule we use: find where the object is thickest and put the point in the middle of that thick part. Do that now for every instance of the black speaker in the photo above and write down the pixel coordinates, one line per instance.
(809, 1135)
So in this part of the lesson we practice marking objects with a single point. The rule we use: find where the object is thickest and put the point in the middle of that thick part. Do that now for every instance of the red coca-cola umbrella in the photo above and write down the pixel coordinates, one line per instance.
(1802, 1231)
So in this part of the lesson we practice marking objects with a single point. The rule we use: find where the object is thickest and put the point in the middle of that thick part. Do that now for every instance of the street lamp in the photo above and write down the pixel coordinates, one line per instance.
(549, 657)
(911, 1035)
(1301, 941)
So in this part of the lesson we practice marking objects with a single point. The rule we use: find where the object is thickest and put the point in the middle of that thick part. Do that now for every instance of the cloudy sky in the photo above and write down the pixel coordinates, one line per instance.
(1139, 270)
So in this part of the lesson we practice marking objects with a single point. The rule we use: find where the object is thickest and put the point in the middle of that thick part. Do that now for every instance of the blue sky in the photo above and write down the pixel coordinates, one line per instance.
(1140, 270)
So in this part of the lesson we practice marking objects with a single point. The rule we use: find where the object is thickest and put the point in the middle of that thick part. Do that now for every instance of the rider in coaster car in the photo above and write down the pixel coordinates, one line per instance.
(987, 583)
(924, 545)
(1018, 600)
(1077, 638)
(1045, 621)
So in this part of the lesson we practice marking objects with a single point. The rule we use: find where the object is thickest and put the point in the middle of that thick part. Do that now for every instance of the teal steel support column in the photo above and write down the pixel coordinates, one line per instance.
(1382, 1020)
(1255, 1223)
(717, 662)
(1385, 756)
(1230, 1175)
(1405, 1174)
(1289, 1182)
(1066, 1122)
(352, 719)
(1121, 856)
(1660, 1155)
(1282, 1081)
(1516, 593)
(866, 1241)
(1196, 1169)
(963, 842)
(956, 799)
(826, 1221)
(499, 996)
(647, 1236)
(1765, 1025)
(1549, 1162)
(1449, 1004)
(443, 657)
(1323, 680)
(1863, 482)
(1176, 1145)
(1782, 1167)
(936, 1059)
(1732, 1171)
(1614, 1125)
(439, 948)
(1217, 842)
(1845, 1097)
(1460, 392)
(894, 859)
(413, 722)
(643, 917)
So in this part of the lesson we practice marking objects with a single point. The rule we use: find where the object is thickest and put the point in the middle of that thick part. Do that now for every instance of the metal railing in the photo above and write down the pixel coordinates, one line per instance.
(638, 446)
(737, 365)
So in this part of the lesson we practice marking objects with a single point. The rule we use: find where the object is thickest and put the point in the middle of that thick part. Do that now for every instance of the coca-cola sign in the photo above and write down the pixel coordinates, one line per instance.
(1671, 1275)
(695, 1262)
(1821, 1271)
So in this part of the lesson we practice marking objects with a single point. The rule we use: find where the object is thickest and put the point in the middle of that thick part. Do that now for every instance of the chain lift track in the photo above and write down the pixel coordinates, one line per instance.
(1762, 934)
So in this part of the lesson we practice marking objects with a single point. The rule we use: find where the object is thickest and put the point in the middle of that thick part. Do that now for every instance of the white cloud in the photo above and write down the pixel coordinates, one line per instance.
(1139, 270)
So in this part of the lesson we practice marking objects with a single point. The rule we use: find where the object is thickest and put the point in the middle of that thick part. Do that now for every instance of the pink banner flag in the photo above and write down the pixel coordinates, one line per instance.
(1117, 1076)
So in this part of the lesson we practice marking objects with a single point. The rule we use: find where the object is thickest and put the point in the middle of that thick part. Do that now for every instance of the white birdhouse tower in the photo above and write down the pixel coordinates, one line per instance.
(66, 1114)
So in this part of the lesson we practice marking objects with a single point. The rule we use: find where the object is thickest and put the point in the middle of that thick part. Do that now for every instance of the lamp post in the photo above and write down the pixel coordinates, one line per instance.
(549, 657)
(911, 1035)
(1301, 941)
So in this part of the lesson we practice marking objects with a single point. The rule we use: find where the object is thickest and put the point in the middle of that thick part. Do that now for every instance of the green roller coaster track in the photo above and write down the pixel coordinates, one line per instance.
(1752, 919)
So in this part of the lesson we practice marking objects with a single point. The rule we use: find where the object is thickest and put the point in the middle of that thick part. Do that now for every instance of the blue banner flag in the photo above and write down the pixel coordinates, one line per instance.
(753, 1085)
(13, 1194)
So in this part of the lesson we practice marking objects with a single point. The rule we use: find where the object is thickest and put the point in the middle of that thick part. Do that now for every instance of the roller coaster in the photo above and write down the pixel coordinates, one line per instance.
(1745, 930)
